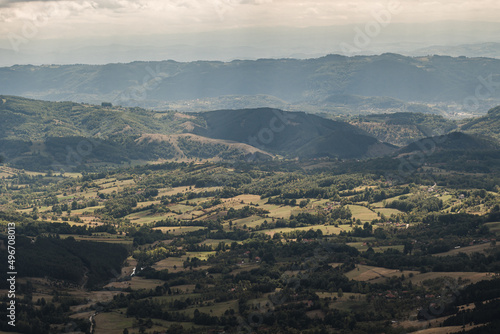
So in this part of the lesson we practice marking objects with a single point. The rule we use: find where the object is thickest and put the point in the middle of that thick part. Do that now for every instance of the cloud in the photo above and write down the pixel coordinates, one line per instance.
(10, 3)
(77, 18)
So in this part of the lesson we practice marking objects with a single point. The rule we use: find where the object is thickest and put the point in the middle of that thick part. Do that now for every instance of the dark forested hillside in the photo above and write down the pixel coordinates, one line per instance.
(291, 134)
(457, 141)
(454, 151)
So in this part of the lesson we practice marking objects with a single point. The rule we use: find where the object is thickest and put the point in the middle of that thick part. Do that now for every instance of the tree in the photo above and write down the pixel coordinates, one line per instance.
(340, 293)
(176, 329)
(408, 248)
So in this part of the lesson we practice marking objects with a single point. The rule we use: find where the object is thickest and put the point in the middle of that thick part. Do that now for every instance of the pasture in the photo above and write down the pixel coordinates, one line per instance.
(379, 275)
(481, 248)
(215, 309)
(327, 230)
(362, 213)
(101, 237)
(178, 230)
(369, 273)
(494, 227)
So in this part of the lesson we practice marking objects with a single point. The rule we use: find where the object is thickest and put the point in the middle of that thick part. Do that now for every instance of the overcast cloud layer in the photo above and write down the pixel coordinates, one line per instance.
(111, 17)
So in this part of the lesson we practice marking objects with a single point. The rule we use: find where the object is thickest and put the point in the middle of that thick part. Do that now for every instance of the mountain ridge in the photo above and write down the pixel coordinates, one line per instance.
(158, 84)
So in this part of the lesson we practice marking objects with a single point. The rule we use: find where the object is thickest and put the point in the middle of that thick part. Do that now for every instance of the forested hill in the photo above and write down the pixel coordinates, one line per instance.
(291, 134)
(455, 141)
(403, 128)
(35, 134)
(420, 79)
(487, 125)
(455, 151)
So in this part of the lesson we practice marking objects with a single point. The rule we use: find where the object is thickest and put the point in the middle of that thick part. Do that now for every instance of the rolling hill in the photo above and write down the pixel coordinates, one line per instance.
(291, 134)
(456, 151)
(402, 128)
(454, 141)
(37, 134)
(65, 135)
(487, 125)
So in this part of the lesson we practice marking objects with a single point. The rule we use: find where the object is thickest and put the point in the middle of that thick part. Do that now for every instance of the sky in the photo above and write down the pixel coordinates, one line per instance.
(82, 18)
(26, 25)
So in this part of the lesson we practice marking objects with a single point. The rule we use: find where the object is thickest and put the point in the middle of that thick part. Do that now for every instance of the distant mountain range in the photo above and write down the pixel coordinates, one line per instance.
(487, 50)
(435, 84)
(409, 38)
(37, 135)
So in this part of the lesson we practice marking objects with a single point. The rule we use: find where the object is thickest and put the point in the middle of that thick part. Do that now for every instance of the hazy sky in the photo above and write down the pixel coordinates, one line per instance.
(102, 31)
(82, 18)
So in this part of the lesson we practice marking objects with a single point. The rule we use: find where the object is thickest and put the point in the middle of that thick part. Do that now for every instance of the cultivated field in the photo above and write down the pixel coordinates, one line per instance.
(379, 275)
(481, 248)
